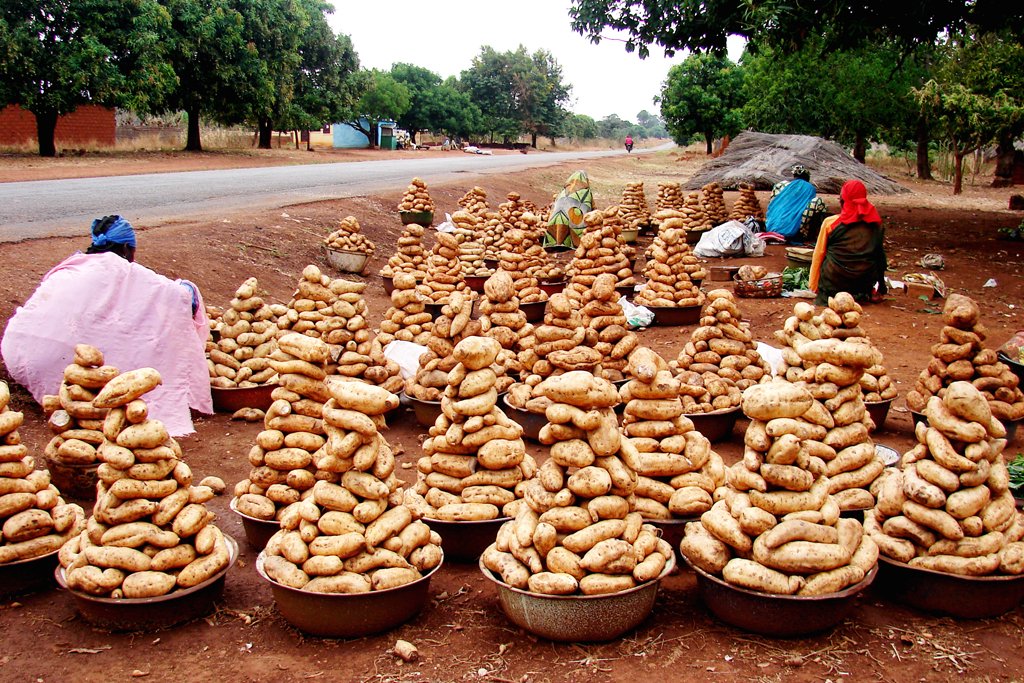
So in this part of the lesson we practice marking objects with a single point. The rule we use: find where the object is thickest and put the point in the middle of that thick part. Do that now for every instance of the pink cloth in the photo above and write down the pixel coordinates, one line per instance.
(136, 317)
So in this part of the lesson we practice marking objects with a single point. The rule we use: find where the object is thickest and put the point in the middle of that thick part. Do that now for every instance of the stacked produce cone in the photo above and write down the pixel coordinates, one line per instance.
(694, 216)
(633, 207)
(475, 202)
(283, 459)
(775, 528)
(613, 219)
(949, 508)
(471, 251)
(411, 257)
(670, 270)
(575, 533)
(720, 361)
(492, 235)
(34, 519)
(606, 328)
(519, 260)
(677, 470)
(514, 213)
(501, 319)
(407, 319)
(746, 205)
(475, 458)
(599, 253)
(444, 270)
(150, 531)
(353, 535)
(348, 238)
(451, 327)
(670, 197)
(77, 424)
(713, 202)
(961, 356)
(246, 331)
(416, 197)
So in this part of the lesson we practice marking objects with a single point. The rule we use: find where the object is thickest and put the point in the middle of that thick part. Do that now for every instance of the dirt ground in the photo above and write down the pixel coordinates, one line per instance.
(462, 635)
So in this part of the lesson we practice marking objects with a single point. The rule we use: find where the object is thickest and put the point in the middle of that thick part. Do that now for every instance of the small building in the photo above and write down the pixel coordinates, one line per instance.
(345, 136)
(88, 124)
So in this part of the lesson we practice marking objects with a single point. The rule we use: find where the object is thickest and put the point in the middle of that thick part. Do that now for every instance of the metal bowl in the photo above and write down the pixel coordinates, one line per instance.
(434, 309)
(347, 261)
(465, 541)
(426, 411)
(230, 400)
(531, 423)
(1016, 367)
(257, 531)
(667, 316)
(722, 273)
(424, 218)
(966, 597)
(27, 576)
(552, 287)
(151, 614)
(889, 455)
(348, 615)
(629, 234)
(673, 531)
(782, 616)
(491, 263)
(578, 618)
(693, 236)
(555, 248)
(74, 480)
(879, 410)
(476, 282)
(389, 283)
(625, 291)
(716, 425)
(533, 310)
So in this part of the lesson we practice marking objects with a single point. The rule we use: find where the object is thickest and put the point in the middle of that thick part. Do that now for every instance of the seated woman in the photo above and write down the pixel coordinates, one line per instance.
(795, 211)
(849, 255)
(136, 317)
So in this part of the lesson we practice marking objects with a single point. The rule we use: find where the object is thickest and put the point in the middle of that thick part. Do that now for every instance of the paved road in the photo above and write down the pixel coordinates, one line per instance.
(56, 208)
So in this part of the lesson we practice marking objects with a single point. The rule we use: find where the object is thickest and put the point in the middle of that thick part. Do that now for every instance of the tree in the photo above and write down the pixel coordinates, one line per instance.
(653, 126)
(580, 127)
(423, 87)
(58, 54)
(703, 25)
(702, 96)
(452, 112)
(383, 98)
(545, 98)
(323, 90)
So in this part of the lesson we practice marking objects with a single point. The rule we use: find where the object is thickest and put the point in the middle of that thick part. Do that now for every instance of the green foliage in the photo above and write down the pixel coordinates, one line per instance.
(383, 98)
(702, 96)
(580, 127)
(436, 106)
(1016, 468)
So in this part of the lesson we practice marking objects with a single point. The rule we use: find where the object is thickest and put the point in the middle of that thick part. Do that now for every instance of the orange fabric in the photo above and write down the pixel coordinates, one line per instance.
(820, 247)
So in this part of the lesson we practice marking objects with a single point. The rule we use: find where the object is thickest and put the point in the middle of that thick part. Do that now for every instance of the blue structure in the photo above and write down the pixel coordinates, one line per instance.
(344, 136)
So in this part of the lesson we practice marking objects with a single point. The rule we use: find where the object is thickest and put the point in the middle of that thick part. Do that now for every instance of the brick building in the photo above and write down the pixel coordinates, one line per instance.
(88, 124)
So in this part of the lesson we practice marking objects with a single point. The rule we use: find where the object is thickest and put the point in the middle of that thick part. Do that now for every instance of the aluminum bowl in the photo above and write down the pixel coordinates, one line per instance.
(151, 614)
(716, 425)
(348, 615)
(72, 479)
(889, 455)
(257, 531)
(879, 410)
(434, 309)
(781, 616)
(465, 541)
(629, 234)
(669, 316)
(531, 423)
(964, 597)
(533, 310)
(673, 531)
(426, 411)
(625, 291)
(578, 618)
(347, 261)
(27, 576)
(230, 400)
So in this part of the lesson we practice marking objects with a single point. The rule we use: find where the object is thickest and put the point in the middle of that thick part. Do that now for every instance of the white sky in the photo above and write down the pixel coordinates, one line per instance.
(445, 35)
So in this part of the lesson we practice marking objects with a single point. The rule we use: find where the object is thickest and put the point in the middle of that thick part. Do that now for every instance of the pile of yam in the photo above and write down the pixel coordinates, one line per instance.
(475, 202)
(746, 205)
(713, 202)
(694, 217)
(407, 318)
(521, 259)
(471, 251)
(633, 207)
(416, 197)
(452, 326)
(670, 197)
(246, 333)
(600, 252)
(411, 257)
(502, 320)
(348, 238)
(606, 332)
(444, 270)
(74, 419)
(671, 269)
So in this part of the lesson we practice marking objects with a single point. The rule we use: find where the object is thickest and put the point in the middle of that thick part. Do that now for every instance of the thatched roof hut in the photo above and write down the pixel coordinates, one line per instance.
(762, 159)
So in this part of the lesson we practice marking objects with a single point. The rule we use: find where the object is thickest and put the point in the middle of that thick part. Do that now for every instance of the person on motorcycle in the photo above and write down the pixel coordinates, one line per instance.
(629, 143)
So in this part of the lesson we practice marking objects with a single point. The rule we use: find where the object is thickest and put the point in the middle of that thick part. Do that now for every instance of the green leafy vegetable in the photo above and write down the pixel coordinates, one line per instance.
(796, 278)
(1016, 468)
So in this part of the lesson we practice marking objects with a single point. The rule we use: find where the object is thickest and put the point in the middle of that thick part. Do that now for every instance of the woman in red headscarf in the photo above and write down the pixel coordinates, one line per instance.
(849, 255)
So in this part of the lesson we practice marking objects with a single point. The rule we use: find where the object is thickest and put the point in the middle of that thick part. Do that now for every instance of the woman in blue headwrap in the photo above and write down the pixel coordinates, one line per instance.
(795, 211)
(114, 235)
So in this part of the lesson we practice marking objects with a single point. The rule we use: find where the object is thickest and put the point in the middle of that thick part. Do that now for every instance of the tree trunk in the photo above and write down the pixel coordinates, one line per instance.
(533, 140)
(46, 128)
(860, 147)
(1004, 161)
(958, 171)
(372, 135)
(924, 164)
(192, 143)
(266, 134)
(412, 137)
(709, 138)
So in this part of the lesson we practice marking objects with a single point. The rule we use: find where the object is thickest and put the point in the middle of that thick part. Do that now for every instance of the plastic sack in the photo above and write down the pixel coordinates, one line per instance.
(407, 355)
(447, 225)
(732, 238)
(636, 316)
(771, 355)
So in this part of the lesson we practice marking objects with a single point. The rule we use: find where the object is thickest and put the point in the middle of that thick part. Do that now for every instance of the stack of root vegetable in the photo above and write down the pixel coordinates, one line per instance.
(407, 319)
(633, 207)
(514, 213)
(518, 261)
(670, 270)
(471, 251)
(713, 202)
(77, 423)
(720, 361)
(599, 253)
(475, 458)
(747, 204)
(475, 202)
(411, 257)
(283, 458)
(492, 235)
(670, 197)
(416, 197)
(677, 472)
(575, 533)
(348, 237)
(444, 270)
(961, 356)
(34, 519)
(606, 328)
(949, 507)
(453, 325)
(775, 528)
(150, 532)
(355, 535)
(246, 331)
(694, 216)
(502, 320)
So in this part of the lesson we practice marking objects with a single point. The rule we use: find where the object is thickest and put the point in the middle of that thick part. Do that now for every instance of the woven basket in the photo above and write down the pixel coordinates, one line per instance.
(765, 288)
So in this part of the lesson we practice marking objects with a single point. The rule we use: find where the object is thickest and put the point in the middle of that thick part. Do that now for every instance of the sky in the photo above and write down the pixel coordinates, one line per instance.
(445, 35)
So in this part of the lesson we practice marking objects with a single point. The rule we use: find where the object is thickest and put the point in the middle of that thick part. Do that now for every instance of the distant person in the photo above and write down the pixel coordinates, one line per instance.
(795, 211)
(629, 143)
(135, 316)
(850, 255)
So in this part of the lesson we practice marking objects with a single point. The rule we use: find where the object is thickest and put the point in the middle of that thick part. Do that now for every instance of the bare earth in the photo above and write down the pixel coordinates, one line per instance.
(463, 635)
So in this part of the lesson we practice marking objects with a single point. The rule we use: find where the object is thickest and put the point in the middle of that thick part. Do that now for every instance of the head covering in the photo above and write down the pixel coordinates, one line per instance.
(798, 171)
(112, 230)
(856, 207)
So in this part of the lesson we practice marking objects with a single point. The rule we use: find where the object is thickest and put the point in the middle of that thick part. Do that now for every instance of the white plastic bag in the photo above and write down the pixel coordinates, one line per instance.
(772, 355)
(636, 316)
(447, 225)
(407, 355)
(732, 238)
